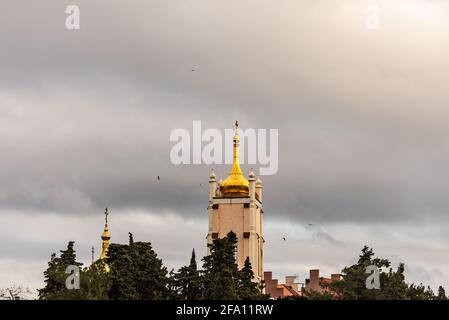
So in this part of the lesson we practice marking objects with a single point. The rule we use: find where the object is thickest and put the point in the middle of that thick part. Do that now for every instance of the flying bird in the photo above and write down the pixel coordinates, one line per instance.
(283, 238)
(158, 178)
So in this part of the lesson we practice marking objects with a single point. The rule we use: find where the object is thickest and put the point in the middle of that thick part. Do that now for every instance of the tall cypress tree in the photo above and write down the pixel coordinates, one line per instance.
(187, 282)
(220, 270)
(247, 288)
(441, 294)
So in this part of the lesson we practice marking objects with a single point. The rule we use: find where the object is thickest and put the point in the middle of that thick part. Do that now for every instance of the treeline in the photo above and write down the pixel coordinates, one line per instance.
(392, 284)
(133, 271)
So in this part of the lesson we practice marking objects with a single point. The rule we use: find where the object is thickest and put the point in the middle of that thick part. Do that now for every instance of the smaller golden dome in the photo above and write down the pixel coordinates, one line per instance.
(105, 235)
(236, 184)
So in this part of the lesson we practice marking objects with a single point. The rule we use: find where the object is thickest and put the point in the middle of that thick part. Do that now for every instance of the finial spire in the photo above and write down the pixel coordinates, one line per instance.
(236, 135)
(236, 148)
(105, 236)
(106, 213)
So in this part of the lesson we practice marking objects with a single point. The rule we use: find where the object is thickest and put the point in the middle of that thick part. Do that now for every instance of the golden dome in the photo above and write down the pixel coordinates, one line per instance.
(236, 184)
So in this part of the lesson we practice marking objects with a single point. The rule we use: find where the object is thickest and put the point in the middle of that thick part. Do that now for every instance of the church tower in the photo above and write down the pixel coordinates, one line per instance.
(235, 204)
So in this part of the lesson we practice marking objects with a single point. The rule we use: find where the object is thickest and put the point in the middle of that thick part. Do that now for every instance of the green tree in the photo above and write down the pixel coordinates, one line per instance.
(248, 289)
(220, 269)
(392, 282)
(353, 285)
(136, 272)
(187, 283)
(441, 294)
(55, 277)
(393, 285)
(419, 292)
(96, 281)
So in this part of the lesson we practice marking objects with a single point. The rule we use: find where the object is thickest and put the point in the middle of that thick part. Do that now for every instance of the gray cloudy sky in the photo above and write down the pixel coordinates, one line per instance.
(363, 119)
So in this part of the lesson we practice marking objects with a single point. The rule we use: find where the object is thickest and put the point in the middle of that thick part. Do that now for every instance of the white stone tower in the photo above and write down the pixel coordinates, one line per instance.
(236, 205)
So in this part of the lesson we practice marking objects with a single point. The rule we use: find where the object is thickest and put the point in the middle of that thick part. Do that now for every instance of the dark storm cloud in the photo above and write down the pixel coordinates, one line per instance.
(86, 115)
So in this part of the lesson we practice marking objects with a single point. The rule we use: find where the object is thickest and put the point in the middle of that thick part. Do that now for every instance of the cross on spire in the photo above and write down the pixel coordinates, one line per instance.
(106, 213)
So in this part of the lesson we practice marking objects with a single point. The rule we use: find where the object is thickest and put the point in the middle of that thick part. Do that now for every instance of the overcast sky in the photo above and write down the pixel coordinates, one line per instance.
(362, 114)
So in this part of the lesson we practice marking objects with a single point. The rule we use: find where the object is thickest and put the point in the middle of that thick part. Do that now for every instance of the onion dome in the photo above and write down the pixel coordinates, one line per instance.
(235, 185)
